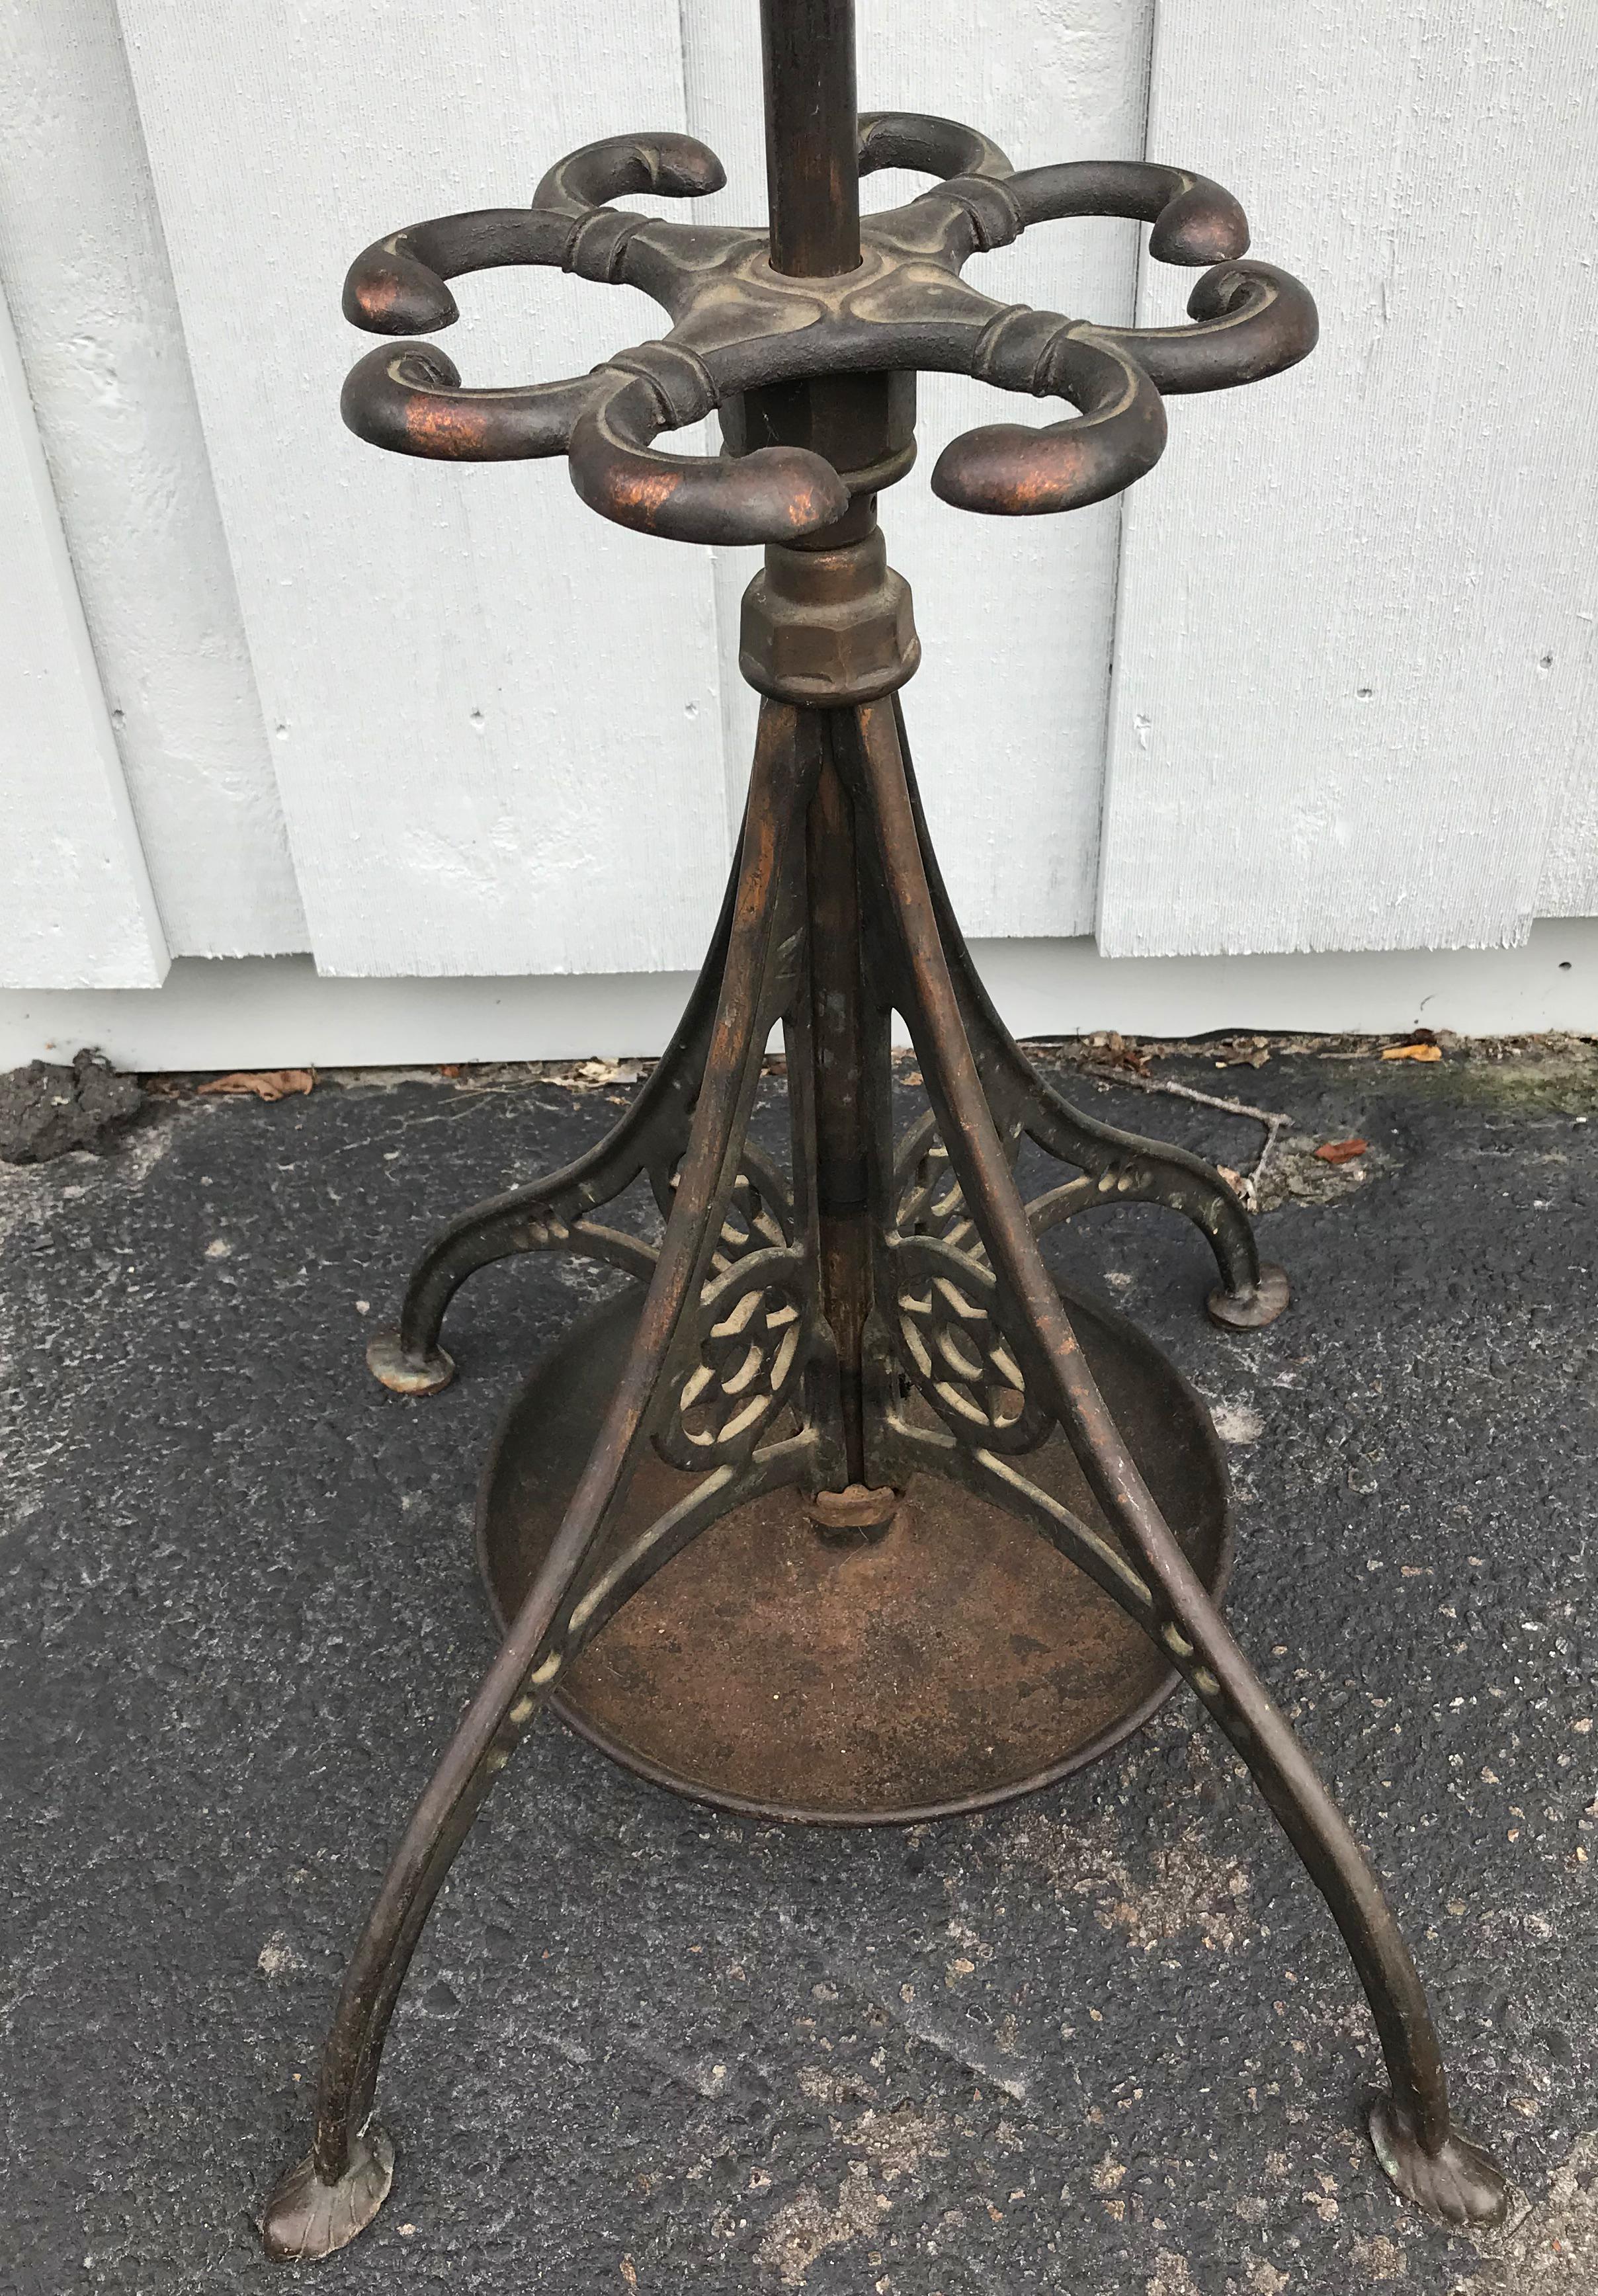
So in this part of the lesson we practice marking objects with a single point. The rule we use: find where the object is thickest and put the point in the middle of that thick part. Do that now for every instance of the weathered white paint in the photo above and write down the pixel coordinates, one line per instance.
(274, 1013)
(511, 740)
(1354, 665)
(1007, 714)
(85, 271)
(496, 719)
(1568, 884)
(76, 907)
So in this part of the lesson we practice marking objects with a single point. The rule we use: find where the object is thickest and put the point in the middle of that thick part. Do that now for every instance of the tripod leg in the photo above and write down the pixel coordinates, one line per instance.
(551, 1214)
(1412, 2131)
(1124, 1166)
(326, 2199)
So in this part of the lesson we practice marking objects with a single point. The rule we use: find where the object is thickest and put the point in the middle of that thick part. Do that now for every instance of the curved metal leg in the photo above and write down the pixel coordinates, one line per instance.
(1124, 1166)
(329, 2197)
(553, 1213)
(1412, 2131)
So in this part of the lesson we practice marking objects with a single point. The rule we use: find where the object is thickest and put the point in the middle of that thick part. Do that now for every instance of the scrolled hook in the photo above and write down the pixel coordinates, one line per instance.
(1008, 470)
(396, 286)
(1253, 321)
(407, 396)
(931, 146)
(1195, 220)
(673, 167)
(973, 172)
(777, 494)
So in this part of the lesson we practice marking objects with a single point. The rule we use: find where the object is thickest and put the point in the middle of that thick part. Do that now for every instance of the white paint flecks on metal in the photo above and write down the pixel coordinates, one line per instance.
(76, 907)
(1007, 714)
(1353, 671)
(495, 719)
(84, 271)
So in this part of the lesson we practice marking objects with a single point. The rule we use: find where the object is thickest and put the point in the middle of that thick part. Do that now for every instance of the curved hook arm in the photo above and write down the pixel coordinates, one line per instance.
(407, 396)
(396, 286)
(1009, 470)
(674, 167)
(1254, 321)
(1194, 220)
(978, 212)
(774, 494)
(411, 400)
(930, 145)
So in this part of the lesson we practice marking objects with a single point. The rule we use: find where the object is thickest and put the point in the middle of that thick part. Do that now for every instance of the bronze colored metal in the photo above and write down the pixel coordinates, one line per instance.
(853, 1455)
(955, 1660)
(825, 626)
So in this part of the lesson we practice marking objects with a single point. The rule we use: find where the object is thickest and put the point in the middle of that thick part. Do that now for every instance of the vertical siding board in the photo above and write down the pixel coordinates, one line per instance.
(76, 907)
(493, 718)
(1007, 715)
(84, 271)
(1355, 657)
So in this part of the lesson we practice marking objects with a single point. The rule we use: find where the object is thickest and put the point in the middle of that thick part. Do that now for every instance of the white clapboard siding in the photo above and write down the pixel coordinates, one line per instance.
(1007, 713)
(76, 907)
(496, 718)
(1354, 664)
(1568, 884)
(85, 271)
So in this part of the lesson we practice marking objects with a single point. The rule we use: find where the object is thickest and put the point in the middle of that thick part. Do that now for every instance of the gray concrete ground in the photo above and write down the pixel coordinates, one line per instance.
(1102, 2041)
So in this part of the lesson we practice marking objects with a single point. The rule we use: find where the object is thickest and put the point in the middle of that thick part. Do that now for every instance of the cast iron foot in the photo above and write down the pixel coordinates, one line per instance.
(1461, 2184)
(1247, 1310)
(305, 2218)
(404, 1374)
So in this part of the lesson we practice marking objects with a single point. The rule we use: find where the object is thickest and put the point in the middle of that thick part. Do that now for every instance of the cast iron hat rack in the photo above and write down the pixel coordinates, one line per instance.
(846, 1510)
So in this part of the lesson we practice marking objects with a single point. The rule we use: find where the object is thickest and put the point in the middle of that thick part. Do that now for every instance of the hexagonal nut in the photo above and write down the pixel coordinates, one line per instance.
(839, 650)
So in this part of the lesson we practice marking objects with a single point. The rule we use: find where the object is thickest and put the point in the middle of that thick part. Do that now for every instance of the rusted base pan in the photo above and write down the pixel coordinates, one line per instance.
(957, 1661)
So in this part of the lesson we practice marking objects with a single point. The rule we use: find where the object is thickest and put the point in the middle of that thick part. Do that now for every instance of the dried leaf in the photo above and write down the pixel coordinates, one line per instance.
(629, 2272)
(264, 1084)
(1341, 1151)
(1242, 1184)
(449, 1068)
(1412, 1051)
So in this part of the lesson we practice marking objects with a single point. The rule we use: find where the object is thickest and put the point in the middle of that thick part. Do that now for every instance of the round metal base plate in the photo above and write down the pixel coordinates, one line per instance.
(958, 1661)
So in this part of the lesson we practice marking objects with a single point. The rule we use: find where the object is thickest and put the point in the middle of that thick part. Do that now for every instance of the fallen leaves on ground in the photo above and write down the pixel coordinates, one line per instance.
(264, 1084)
(1242, 1184)
(1113, 1049)
(607, 1071)
(1412, 1051)
(1340, 1151)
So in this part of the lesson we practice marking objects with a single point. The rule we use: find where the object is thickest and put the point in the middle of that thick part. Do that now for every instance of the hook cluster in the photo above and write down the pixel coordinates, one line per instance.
(739, 325)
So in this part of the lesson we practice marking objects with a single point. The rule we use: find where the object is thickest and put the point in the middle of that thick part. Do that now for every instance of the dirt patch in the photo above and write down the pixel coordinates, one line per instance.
(1554, 2249)
(807, 2227)
(1187, 1887)
(1295, 1173)
(46, 1111)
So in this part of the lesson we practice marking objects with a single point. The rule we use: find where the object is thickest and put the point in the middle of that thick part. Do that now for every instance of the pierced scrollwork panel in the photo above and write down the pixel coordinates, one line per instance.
(927, 1198)
(752, 1340)
(760, 1215)
(952, 1343)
